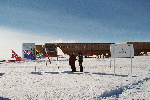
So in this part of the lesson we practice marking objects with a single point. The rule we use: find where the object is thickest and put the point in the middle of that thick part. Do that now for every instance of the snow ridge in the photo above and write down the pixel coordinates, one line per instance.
(118, 91)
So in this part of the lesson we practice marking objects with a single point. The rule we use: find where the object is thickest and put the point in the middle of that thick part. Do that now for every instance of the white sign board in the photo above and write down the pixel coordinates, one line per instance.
(121, 50)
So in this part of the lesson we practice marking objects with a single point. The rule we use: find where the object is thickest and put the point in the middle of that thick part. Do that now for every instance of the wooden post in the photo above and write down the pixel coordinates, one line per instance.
(35, 66)
(110, 63)
(46, 63)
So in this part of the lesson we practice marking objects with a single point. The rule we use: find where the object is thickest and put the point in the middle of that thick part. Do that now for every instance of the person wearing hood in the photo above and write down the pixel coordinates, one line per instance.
(72, 60)
(80, 60)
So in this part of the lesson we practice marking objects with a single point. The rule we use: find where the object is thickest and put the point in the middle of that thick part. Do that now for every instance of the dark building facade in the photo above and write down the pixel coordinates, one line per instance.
(87, 49)
(102, 50)
(140, 48)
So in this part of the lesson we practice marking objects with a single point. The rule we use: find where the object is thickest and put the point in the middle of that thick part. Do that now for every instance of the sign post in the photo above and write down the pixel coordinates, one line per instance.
(120, 51)
(114, 67)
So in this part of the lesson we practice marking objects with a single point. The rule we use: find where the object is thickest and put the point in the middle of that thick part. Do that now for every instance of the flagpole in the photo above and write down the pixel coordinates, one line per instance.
(131, 61)
(114, 66)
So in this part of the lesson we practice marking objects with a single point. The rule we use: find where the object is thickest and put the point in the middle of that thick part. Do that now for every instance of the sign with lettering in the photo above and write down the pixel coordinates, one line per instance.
(121, 50)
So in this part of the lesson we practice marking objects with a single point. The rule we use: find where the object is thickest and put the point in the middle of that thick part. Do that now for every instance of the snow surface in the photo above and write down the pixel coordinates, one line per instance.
(20, 81)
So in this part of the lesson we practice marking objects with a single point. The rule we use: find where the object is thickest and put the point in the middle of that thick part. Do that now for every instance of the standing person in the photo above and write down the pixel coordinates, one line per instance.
(80, 56)
(72, 60)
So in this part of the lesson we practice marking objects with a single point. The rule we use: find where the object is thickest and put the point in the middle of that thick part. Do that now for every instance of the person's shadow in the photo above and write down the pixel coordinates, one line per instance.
(69, 72)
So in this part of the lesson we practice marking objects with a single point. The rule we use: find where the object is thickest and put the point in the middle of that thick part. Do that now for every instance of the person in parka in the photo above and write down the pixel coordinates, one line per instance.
(80, 60)
(72, 60)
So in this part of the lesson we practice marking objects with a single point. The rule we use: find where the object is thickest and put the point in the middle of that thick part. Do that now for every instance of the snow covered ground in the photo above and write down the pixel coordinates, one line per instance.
(20, 81)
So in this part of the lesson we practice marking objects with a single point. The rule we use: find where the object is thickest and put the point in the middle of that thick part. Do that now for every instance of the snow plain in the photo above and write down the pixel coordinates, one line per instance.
(20, 81)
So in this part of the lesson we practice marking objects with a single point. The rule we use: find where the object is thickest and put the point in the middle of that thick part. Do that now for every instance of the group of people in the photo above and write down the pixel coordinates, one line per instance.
(72, 60)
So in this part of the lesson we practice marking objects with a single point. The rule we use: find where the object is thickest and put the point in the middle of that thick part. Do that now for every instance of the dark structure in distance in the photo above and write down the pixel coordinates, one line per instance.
(102, 50)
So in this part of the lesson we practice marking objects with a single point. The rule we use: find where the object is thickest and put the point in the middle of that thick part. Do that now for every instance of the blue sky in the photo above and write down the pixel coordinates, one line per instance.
(81, 21)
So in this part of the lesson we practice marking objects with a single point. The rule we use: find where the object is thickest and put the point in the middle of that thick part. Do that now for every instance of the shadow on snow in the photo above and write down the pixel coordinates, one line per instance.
(116, 92)
(1, 98)
(52, 72)
(113, 74)
(110, 74)
(38, 73)
(1, 74)
(68, 72)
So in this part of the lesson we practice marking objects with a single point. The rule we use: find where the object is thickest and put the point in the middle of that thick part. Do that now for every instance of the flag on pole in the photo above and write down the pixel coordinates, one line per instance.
(46, 54)
(26, 52)
(28, 55)
(14, 55)
(38, 54)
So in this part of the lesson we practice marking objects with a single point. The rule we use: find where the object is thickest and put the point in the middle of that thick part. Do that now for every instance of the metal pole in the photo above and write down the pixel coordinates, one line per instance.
(131, 66)
(110, 63)
(131, 60)
(35, 66)
(114, 66)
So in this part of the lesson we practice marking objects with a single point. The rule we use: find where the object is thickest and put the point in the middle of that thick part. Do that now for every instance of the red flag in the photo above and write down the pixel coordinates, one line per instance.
(14, 55)
(26, 52)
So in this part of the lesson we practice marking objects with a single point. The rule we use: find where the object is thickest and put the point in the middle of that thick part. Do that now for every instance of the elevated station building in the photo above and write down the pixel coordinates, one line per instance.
(88, 49)
(140, 48)
(102, 50)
